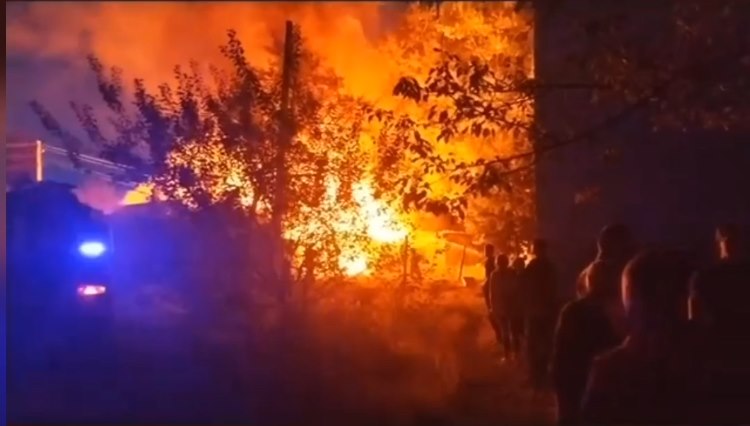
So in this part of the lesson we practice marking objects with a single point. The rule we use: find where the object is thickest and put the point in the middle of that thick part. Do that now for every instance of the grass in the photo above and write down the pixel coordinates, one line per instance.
(379, 356)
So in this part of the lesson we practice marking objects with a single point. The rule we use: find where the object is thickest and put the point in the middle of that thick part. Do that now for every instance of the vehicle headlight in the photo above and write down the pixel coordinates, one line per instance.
(92, 248)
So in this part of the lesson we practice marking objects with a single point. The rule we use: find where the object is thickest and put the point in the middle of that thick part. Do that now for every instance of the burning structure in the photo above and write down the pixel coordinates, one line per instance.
(369, 170)
(369, 47)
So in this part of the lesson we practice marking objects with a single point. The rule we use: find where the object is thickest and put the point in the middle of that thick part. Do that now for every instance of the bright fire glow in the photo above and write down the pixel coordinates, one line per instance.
(353, 266)
(380, 222)
(140, 195)
(364, 224)
(383, 226)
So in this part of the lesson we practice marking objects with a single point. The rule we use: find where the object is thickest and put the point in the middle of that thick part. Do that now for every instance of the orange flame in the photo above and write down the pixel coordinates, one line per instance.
(382, 224)
(139, 195)
(353, 46)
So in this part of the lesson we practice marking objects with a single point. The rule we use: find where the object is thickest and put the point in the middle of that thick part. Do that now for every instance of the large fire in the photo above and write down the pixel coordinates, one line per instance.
(382, 223)
(367, 223)
(383, 226)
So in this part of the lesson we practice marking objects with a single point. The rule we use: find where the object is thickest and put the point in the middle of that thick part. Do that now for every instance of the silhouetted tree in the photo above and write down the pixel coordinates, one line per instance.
(212, 143)
(686, 64)
(459, 59)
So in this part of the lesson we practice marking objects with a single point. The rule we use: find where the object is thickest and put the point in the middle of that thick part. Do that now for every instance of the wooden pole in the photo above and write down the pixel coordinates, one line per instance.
(285, 134)
(290, 49)
(285, 131)
(405, 261)
(284, 141)
(39, 159)
(461, 268)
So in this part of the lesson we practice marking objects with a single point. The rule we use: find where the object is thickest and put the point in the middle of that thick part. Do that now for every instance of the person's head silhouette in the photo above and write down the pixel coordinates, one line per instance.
(502, 262)
(655, 290)
(615, 241)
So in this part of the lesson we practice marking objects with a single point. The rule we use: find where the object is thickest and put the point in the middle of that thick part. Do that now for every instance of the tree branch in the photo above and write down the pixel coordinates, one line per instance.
(612, 120)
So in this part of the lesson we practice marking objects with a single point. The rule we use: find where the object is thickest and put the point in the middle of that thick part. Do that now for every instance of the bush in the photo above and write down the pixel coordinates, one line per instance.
(355, 353)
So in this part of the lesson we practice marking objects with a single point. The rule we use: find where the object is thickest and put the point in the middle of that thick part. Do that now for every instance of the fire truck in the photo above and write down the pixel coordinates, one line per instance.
(59, 257)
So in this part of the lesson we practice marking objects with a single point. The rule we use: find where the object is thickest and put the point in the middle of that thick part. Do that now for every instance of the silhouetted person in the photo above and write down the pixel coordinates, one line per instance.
(729, 251)
(615, 244)
(584, 331)
(310, 260)
(489, 269)
(517, 311)
(728, 243)
(539, 283)
(615, 247)
(414, 270)
(645, 379)
(308, 264)
(581, 280)
(502, 286)
(720, 310)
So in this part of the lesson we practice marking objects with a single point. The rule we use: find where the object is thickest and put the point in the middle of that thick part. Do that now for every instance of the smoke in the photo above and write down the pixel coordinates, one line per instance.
(47, 43)
(99, 194)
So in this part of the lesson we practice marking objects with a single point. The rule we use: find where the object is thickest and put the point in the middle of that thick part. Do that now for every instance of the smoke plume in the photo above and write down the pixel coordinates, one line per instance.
(99, 194)
(47, 43)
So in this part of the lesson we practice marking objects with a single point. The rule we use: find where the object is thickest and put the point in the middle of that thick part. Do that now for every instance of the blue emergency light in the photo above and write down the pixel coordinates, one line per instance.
(92, 248)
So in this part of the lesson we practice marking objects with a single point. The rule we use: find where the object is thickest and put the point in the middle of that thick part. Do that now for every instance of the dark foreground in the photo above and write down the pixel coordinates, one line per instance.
(160, 371)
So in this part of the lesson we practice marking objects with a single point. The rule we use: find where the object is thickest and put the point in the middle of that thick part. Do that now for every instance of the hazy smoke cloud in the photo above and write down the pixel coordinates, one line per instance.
(99, 194)
(47, 42)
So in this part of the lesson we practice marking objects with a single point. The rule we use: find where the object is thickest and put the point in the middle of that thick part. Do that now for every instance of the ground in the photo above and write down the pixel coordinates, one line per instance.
(164, 372)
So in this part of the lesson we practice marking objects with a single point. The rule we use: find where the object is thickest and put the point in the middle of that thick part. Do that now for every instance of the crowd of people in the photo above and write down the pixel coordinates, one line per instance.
(653, 336)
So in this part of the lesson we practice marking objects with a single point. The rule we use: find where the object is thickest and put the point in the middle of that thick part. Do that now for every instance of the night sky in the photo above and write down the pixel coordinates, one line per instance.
(54, 79)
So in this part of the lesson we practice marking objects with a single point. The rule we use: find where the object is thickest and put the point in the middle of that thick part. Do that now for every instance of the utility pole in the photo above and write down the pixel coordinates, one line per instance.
(39, 157)
(286, 133)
